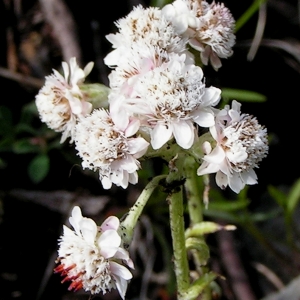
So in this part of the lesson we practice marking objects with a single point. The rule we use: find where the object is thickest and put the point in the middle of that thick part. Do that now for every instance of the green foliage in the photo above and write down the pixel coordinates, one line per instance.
(24, 138)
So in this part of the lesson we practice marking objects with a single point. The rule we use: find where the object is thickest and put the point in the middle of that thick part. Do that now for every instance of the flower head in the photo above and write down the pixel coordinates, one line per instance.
(146, 25)
(240, 144)
(60, 102)
(106, 148)
(91, 257)
(210, 28)
(168, 99)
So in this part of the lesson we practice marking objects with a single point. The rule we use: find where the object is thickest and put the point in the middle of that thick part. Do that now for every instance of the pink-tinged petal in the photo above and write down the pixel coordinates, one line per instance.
(137, 147)
(196, 45)
(120, 270)
(204, 118)
(124, 256)
(111, 222)
(215, 61)
(119, 117)
(109, 242)
(88, 230)
(221, 180)
(205, 55)
(216, 156)
(132, 127)
(86, 108)
(160, 135)
(184, 133)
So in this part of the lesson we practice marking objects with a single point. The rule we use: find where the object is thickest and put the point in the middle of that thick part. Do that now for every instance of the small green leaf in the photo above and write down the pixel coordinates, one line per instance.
(243, 95)
(25, 146)
(278, 196)
(293, 197)
(199, 285)
(200, 246)
(39, 168)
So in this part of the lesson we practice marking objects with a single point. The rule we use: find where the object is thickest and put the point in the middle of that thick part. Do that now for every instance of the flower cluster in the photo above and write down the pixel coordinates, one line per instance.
(158, 105)
(60, 102)
(158, 97)
(91, 257)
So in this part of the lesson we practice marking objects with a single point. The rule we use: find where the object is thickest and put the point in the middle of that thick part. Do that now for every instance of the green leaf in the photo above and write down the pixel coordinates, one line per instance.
(39, 168)
(243, 95)
(278, 196)
(293, 197)
(199, 285)
(24, 146)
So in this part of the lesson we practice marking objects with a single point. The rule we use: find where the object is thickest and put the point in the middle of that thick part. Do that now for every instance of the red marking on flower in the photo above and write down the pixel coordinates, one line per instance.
(63, 270)
(75, 285)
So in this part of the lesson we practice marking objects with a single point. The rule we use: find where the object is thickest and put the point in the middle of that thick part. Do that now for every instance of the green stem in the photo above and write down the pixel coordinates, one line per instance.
(248, 14)
(178, 239)
(193, 193)
(194, 198)
(130, 219)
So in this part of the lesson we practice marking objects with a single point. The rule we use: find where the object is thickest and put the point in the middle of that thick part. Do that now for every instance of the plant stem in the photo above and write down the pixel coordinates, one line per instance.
(178, 239)
(130, 219)
(192, 187)
(194, 198)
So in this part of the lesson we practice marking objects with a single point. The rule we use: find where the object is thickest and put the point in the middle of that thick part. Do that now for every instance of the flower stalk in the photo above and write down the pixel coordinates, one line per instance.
(176, 211)
(130, 219)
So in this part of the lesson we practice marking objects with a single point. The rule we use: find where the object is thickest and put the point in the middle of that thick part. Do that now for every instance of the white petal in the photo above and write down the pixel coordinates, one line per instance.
(204, 118)
(88, 68)
(160, 135)
(216, 156)
(211, 97)
(120, 270)
(106, 182)
(109, 242)
(184, 133)
(111, 222)
(249, 177)
(137, 147)
(207, 168)
(88, 230)
(236, 183)
(75, 218)
(221, 180)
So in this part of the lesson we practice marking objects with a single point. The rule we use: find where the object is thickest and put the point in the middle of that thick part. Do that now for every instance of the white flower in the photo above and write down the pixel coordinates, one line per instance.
(111, 150)
(241, 143)
(146, 25)
(91, 257)
(168, 99)
(60, 102)
(210, 28)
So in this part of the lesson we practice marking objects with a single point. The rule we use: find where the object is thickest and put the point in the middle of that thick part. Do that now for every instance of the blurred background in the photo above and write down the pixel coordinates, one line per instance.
(41, 179)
